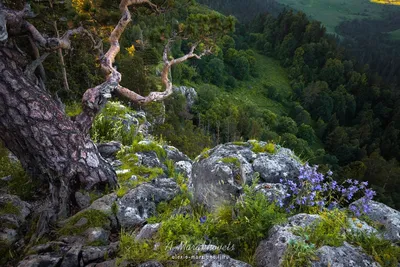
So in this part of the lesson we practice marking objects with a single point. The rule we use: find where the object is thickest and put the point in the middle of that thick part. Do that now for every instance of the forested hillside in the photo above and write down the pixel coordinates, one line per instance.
(134, 133)
(278, 79)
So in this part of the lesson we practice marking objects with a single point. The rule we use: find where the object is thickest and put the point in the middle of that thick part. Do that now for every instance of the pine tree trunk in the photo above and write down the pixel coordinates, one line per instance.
(49, 145)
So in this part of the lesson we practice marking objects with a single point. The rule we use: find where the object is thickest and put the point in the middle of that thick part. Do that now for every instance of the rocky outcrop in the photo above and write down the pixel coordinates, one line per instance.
(271, 251)
(140, 203)
(388, 217)
(273, 167)
(219, 174)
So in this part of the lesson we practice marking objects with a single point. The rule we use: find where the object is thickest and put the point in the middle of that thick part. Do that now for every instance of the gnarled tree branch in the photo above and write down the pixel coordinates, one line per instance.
(159, 96)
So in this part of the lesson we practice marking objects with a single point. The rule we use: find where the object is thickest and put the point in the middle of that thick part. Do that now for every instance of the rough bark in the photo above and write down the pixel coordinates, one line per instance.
(48, 144)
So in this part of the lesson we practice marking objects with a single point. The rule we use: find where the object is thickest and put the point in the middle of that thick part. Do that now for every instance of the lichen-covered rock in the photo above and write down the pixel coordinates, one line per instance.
(272, 191)
(273, 167)
(140, 203)
(270, 252)
(104, 204)
(110, 149)
(220, 260)
(184, 167)
(72, 257)
(175, 155)
(149, 159)
(343, 256)
(13, 205)
(356, 225)
(148, 231)
(98, 254)
(219, 174)
(388, 217)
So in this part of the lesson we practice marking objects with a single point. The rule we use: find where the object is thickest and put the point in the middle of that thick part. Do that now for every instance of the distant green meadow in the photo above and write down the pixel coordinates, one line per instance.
(332, 12)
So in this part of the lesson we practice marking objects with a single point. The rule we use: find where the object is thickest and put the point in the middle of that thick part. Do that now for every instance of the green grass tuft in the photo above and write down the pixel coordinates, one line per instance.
(231, 160)
(95, 218)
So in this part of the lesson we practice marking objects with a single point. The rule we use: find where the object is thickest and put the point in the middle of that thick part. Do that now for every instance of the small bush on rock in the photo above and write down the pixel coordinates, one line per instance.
(330, 231)
(299, 253)
(246, 223)
(111, 125)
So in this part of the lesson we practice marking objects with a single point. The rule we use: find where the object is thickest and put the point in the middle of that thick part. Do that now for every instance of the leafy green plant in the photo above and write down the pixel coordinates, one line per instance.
(329, 231)
(138, 251)
(171, 167)
(258, 148)
(205, 153)
(299, 254)
(231, 160)
(110, 125)
(9, 208)
(122, 191)
(130, 162)
(246, 223)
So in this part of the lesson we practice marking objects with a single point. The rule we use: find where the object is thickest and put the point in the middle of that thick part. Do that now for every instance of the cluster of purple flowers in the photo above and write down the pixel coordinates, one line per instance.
(313, 189)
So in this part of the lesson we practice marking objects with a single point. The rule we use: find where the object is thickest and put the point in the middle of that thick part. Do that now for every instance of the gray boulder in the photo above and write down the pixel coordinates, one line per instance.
(388, 217)
(82, 199)
(270, 252)
(273, 167)
(219, 174)
(357, 226)
(96, 254)
(175, 155)
(148, 231)
(72, 257)
(149, 159)
(343, 256)
(110, 149)
(140, 203)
